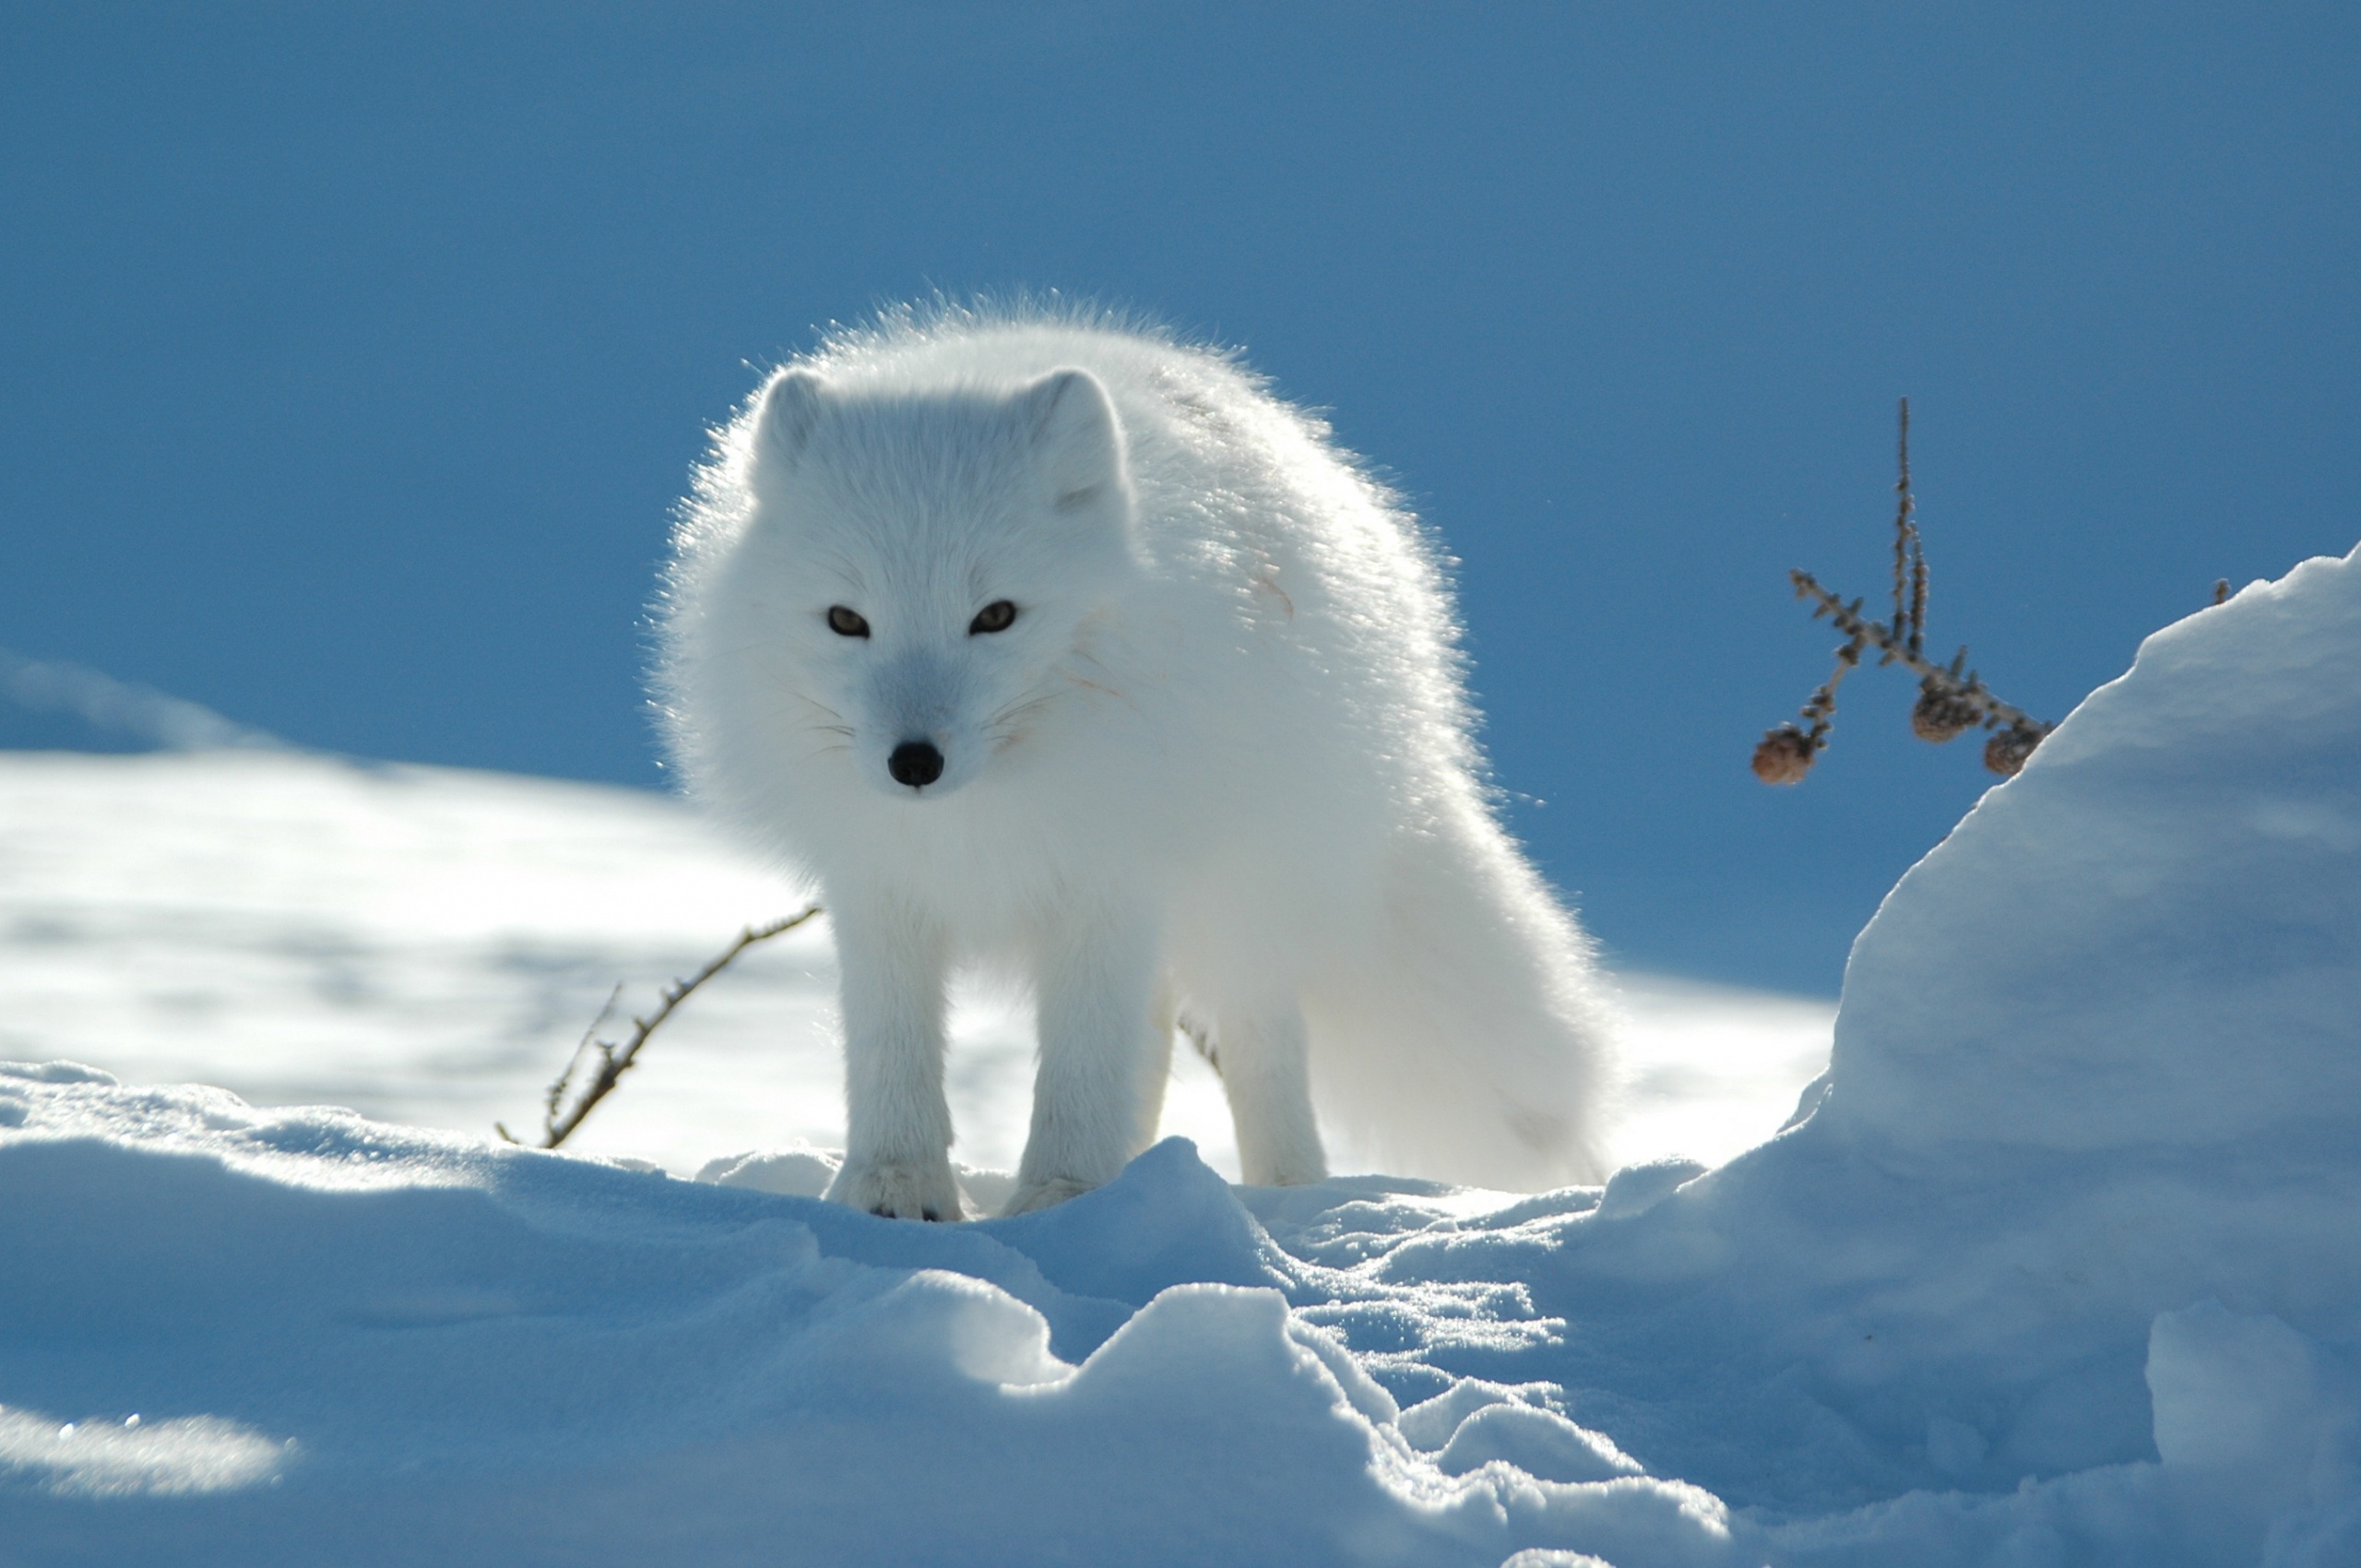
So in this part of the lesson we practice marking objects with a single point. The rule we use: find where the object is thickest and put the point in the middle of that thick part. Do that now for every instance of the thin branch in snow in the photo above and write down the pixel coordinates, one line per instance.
(1953, 699)
(558, 1122)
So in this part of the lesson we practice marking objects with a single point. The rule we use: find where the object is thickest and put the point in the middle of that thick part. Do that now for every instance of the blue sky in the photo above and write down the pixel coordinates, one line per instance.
(356, 353)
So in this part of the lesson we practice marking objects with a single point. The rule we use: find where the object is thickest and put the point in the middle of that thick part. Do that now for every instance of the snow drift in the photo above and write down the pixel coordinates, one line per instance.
(2056, 1267)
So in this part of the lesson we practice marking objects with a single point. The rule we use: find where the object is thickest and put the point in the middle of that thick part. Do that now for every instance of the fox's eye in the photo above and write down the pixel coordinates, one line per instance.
(997, 616)
(847, 622)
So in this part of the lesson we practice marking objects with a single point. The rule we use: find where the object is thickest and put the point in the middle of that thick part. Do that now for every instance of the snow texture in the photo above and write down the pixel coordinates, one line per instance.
(2057, 1267)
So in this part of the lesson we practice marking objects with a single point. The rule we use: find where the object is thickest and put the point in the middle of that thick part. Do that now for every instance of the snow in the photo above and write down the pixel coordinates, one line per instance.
(426, 945)
(2058, 1266)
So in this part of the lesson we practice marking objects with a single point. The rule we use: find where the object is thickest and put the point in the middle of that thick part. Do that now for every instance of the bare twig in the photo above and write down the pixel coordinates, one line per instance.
(555, 1101)
(1907, 508)
(1952, 699)
(1969, 687)
(559, 1122)
(1908, 608)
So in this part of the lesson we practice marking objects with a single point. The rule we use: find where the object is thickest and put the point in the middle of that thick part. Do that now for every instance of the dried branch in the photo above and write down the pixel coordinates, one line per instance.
(1909, 607)
(1952, 699)
(1907, 521)
(558, 1123)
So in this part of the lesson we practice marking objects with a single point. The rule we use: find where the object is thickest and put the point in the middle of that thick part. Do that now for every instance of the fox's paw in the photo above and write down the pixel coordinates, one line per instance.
(898, 1191)
(1044, 1191)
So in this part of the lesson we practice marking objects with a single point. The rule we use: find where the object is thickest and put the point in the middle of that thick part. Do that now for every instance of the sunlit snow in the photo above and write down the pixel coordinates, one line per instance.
(426, 946)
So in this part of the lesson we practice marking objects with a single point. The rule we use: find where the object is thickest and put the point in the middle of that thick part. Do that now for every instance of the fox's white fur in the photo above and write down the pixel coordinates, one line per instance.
(1219, 769)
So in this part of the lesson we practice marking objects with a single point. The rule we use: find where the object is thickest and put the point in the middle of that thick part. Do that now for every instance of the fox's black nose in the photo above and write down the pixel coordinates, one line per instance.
(915, 763)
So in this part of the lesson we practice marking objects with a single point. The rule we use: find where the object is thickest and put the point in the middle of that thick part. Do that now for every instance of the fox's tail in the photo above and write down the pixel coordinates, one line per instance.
(1477, 1043)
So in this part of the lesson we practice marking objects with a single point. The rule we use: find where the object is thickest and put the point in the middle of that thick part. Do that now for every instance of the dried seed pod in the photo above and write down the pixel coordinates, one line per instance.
(1941, 713)
(2006, 752)
(1785, 755)
(1951, 702)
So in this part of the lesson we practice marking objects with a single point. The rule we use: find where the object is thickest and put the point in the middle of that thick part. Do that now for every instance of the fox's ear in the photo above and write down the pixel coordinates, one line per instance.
(791, 407)
(1071, 423)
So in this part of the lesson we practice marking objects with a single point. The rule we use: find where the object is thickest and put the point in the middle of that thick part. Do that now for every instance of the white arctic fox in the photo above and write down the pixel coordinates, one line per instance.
(1052, 645)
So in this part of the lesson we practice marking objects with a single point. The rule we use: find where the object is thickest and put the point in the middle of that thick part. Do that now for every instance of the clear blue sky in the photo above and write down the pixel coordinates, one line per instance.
(355, 353)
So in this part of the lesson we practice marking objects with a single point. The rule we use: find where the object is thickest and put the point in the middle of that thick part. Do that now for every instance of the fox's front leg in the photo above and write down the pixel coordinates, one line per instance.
(1097, 985)
(1264, 1061)
(898, 1125)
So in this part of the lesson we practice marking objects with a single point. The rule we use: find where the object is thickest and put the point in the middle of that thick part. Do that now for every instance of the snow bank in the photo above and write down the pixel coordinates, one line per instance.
(2067, 1260)
(2058, 1266)
(230, 1336)
(2156, 937)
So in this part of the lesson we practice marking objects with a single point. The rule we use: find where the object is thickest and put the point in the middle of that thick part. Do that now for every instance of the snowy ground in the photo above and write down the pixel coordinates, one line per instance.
(2061, 1268)
(424, 945)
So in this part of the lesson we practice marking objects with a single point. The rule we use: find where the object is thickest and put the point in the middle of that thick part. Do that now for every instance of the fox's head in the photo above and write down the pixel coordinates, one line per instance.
(917, 581)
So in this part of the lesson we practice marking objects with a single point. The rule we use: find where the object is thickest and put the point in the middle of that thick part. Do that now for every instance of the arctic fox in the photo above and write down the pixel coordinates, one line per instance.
(1054, 645)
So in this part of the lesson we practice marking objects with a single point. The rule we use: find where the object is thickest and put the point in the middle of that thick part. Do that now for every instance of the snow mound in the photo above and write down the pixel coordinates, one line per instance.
(2063, 1261)
(2057, 1265)
(300, 1337)
(2154, 936)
